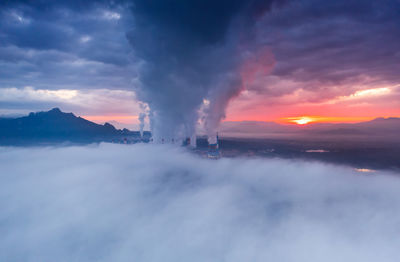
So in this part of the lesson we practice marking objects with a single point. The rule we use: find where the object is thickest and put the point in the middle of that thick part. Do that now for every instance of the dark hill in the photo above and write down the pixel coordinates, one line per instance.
(57, 126)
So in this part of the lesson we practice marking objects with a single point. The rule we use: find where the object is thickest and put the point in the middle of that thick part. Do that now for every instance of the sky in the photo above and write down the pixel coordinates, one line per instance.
(111, 202)
(332, 61)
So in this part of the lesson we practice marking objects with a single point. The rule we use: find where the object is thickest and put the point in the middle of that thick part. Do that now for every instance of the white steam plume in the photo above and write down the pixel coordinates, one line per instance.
(142, 117)
(191, 51)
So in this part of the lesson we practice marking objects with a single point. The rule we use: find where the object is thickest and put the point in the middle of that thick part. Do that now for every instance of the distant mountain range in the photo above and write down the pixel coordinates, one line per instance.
(56, 126)
(386, 127)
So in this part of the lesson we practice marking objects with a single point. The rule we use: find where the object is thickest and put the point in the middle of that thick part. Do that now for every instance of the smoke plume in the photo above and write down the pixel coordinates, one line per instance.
(142, 117)
(191, 51)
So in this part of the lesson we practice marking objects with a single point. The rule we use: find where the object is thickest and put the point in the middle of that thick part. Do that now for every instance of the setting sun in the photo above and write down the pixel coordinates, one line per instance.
(301, 120)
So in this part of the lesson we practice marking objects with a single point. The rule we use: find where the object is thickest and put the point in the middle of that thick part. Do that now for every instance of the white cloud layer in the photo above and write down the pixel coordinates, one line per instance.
(159, 203)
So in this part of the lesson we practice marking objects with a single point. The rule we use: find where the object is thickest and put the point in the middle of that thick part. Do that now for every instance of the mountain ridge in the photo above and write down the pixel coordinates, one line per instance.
(377, 126)
(57, 126)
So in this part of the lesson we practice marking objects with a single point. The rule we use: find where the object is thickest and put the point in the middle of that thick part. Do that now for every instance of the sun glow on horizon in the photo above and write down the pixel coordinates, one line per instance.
(303, 120)
(365, 170)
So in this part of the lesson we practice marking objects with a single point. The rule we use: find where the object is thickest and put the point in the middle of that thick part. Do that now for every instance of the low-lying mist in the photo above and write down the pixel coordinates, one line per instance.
(160, 203)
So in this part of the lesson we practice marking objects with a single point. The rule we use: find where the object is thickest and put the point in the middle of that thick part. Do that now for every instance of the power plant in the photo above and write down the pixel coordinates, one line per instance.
(191, 142)
(213, 149)
(186, 141)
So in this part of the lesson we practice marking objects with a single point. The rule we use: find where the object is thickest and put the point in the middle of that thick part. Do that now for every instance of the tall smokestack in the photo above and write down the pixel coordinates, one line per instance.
(186, 142)
(142, 116)
(213, 147)
(193, 141)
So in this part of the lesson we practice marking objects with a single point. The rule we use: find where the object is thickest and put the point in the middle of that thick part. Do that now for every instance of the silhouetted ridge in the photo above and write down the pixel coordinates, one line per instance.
(55, 125)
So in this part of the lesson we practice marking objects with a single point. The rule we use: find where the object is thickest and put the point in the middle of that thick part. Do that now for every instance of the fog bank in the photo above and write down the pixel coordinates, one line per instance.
(160, 203)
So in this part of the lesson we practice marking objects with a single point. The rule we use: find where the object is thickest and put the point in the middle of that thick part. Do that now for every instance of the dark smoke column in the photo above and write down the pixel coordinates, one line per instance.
(191, 51)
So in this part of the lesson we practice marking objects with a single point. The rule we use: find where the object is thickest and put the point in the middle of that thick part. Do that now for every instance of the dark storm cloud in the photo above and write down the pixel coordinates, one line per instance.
(206, 21)
(330, 41)
(72, 44)
(334, 43)
(329, 48)
(77, 5)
